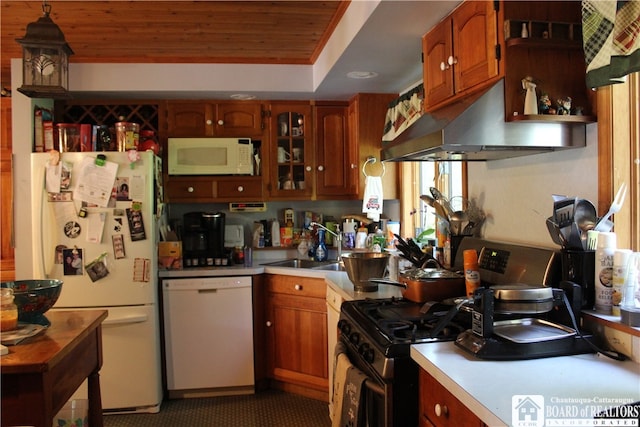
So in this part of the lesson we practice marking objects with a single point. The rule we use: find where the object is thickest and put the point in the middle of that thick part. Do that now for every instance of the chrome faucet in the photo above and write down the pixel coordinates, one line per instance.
(337, 235)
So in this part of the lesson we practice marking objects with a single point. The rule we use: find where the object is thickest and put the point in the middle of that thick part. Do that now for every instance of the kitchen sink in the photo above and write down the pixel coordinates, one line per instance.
(307, 263)
(333, 266)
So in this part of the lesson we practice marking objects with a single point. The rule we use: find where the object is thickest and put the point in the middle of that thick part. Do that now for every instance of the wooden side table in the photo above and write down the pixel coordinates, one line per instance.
(40, 374)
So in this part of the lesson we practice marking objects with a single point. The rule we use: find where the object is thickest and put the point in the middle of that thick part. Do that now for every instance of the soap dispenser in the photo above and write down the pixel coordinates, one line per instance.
(321, 253)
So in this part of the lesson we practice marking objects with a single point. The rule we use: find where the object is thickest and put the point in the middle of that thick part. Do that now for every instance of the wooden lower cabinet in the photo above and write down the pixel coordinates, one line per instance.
(296, 335)
(440, 408)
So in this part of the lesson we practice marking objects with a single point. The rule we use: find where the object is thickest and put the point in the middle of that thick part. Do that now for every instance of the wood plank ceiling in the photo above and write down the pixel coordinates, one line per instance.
(254, 32)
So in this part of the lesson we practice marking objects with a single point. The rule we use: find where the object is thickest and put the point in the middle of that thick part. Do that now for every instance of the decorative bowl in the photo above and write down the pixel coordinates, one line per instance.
(34, 297)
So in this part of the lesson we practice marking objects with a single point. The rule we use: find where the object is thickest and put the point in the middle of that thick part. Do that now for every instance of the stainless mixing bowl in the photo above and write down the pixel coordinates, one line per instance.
(362, 266)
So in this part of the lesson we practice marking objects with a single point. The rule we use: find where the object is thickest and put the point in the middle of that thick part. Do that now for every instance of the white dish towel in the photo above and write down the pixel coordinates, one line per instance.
(372, 201)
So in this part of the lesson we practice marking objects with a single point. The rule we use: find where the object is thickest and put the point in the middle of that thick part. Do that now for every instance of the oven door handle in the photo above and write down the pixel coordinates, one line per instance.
(371, 385)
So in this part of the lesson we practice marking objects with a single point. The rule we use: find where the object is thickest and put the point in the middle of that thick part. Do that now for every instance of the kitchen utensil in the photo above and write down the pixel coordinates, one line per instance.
(34, 297)
(444, 321)
(427, 284)
(436, 193)
(555, 233)
(361, 266)
(457, 222)
(563, 211)
(428, 199)
(585, 215)
(441, 211)
(575, 240)
(592, 240)
(615, 207)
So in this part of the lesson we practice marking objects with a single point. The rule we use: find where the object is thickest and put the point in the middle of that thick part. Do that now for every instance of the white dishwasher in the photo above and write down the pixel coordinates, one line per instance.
(208, 329)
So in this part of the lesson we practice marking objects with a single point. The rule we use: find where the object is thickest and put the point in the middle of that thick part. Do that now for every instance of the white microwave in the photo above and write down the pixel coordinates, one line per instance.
(210, 156)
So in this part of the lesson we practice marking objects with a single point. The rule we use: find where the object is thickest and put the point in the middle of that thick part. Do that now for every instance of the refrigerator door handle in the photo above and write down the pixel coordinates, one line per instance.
(140, 318)
(43, 230)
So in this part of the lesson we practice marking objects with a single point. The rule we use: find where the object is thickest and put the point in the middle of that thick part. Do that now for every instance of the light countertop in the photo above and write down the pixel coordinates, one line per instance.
(487, 387)
(340, 283)
(231, 270)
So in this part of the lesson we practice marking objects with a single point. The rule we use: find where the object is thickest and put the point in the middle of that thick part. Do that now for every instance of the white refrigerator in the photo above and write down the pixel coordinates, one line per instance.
(105, 215)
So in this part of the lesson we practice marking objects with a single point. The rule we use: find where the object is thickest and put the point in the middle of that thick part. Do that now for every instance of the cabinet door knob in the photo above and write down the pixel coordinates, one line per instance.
(220, 122)
(190, 189)
(441, 410)
(443, 66)
(320, 168)
(297, 287)
(353, 166)
(209, 122)
(240, 188)
(268, 323)
(308, 168)
(451, 60)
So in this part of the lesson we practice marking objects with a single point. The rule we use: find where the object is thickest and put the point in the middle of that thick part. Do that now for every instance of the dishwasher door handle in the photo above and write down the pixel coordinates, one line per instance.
(207, 291)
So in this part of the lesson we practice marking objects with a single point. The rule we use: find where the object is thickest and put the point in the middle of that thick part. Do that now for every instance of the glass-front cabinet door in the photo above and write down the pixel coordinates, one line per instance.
(292, 150)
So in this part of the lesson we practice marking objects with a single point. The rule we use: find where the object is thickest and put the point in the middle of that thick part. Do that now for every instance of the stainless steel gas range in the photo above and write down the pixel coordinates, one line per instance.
(377, 333)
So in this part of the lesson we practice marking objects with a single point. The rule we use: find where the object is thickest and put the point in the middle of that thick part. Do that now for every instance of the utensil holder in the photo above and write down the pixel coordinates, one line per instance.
(578, 267)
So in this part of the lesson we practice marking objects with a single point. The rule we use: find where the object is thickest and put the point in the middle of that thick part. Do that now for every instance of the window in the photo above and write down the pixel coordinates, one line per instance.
(417, 179)
(619, 154)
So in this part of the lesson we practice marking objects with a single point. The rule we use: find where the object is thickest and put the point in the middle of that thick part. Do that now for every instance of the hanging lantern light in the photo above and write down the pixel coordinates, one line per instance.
(45, 59)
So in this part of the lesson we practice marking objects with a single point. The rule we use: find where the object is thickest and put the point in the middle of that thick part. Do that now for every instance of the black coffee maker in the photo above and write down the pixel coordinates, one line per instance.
(203, 239)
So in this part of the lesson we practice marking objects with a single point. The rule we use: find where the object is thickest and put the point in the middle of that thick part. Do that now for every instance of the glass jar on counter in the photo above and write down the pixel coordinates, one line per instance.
(8, 310)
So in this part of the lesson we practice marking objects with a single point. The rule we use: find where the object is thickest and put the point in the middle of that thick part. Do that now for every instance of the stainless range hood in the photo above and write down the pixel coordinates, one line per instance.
(474, 129)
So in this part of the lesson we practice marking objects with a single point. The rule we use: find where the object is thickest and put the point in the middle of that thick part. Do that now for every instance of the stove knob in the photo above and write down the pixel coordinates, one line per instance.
(344, 327)
(367, 352)
(354, 338)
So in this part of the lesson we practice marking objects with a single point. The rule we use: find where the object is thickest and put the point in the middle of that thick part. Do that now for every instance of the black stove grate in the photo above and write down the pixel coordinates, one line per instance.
(393, 324)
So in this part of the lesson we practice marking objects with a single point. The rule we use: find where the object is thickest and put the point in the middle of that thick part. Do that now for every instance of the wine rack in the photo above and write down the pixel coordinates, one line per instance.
(96, 112)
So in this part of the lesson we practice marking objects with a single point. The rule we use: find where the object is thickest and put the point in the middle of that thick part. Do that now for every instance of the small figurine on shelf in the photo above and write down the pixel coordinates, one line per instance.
(564, 106)
(544, 105)
(530, 102)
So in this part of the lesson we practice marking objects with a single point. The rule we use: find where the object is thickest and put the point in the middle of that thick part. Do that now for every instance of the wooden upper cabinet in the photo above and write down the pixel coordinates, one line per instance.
(336, 158)
(220, 119)
(438, 74)
(460, 53)
(367, 113)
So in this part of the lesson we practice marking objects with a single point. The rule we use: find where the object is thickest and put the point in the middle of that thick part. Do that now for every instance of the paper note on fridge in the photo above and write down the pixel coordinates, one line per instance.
(53, 177)
(94, 183)
(95, 225)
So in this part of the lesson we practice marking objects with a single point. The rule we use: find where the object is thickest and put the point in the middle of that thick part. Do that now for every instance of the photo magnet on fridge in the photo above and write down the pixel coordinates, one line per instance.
(72, 262)
(136, 226)
(97, 269)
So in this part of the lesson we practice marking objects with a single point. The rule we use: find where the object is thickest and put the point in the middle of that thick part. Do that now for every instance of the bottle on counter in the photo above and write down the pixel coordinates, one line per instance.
(275, 233)
(603, 271)
(248, 256)
(321, 253)
(621, 264)
(471, 271)
(361, 238)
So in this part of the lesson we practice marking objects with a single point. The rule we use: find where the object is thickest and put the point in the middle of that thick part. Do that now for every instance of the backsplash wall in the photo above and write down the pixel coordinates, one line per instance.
(516, 193)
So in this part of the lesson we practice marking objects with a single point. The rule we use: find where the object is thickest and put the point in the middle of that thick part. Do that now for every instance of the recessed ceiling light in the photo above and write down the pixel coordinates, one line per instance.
(242, 96)
(362, 74)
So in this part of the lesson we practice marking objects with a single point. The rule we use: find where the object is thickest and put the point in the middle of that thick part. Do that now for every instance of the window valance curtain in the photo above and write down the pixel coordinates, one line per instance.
(611, 40)
(403, 112)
